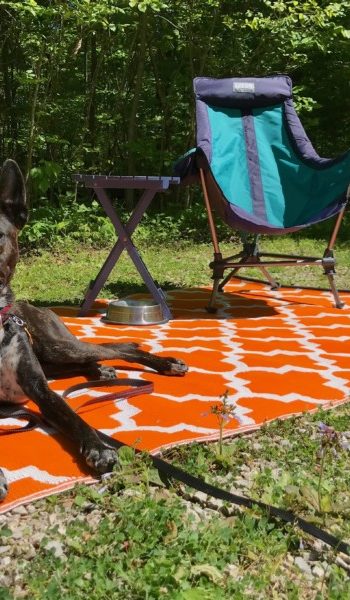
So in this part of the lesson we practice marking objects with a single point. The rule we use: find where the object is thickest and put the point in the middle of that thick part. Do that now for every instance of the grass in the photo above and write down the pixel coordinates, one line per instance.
(149, 542)
(62, 275)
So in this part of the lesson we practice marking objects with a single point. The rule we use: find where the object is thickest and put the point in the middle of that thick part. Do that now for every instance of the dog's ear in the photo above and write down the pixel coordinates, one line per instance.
(13, 194)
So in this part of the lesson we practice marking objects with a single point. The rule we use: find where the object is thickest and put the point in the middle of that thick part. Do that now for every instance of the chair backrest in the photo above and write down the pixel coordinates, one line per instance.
(260, 156)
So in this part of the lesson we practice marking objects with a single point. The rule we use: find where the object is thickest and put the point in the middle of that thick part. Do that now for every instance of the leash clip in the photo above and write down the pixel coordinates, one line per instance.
(17, 320)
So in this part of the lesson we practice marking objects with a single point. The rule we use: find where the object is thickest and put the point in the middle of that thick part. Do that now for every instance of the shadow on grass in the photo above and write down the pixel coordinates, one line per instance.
(110, 291)
(191, 303)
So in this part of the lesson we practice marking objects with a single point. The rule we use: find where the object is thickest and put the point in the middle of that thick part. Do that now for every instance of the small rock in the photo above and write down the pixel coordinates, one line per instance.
(61, 529)
(233, 571)
(245, 469)
(201, 497)
(319, 546)
(221, 480)
(29, 552)
(193, 516)
(56, 548)
(276, 473)
(53, 519)
(131, 493)
(36, 538)
(302, 565)
(19, 510)
(5, 581)
(285, 443)
(5, 561)
(241, 483)
(313, 555)
(20, 593)
(4, 550)
(215, 503)
(318, 571)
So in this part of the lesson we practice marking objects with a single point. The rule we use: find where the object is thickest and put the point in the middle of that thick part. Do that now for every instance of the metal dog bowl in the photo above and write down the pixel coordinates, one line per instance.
(134, 312)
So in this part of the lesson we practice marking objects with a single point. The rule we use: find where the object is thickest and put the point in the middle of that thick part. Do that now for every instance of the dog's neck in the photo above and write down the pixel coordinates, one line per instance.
(6, 296)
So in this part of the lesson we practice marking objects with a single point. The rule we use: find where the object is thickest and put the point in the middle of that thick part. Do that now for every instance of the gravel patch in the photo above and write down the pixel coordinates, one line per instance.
(43, 525)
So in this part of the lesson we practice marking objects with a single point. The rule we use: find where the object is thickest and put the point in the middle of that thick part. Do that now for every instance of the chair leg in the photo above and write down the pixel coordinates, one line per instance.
(338, 302)
(328, 263)
(273, 283)
(250, 251)
(211, 308)
(230, 275)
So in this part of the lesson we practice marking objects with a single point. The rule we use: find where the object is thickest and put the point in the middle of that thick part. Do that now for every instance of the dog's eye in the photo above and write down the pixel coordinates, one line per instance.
(2, 235)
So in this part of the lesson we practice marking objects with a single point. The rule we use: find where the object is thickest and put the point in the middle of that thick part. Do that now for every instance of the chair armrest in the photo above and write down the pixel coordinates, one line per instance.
(186, 167)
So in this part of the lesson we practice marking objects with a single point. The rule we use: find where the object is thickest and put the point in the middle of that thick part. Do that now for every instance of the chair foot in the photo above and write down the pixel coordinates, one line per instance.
(211, 309)
(273, 283)
(338, 302)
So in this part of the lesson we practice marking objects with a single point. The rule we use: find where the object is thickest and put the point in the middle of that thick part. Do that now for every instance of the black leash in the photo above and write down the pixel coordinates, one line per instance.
(140, 387)
(9, 411)
(172, 472)
(169, 470)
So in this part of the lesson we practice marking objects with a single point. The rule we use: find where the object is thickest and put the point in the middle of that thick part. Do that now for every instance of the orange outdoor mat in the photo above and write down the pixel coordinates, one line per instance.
(277, 353)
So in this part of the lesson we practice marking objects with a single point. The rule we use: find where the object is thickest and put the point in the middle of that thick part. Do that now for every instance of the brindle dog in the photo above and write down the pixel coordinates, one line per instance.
(50, 350)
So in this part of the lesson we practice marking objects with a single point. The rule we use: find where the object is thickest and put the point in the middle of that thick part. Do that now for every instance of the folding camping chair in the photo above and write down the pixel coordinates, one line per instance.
(260, 173)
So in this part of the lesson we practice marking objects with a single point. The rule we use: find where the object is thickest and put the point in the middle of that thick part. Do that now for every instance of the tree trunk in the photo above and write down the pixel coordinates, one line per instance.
(32, 122)
(132, 126)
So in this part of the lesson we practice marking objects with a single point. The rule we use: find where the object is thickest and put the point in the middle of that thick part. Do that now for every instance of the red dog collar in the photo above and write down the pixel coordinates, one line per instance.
(4, 313)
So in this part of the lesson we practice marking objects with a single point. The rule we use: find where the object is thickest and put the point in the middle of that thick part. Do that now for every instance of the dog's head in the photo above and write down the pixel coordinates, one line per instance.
(13, 215)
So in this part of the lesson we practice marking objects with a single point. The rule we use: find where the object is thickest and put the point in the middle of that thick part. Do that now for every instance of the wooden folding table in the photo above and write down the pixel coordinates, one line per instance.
(150, 186)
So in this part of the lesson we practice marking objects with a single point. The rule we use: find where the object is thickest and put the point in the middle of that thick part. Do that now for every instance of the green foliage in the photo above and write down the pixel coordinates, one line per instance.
(44, 176)
(106, 85)
(171, 552)
(149, 543)
(51, 224)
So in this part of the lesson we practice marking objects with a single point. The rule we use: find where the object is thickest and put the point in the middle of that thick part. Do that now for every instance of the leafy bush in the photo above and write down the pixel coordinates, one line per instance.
(51, 225)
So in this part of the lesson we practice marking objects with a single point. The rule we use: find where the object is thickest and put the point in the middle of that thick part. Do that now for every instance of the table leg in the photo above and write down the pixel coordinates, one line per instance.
(124, 242)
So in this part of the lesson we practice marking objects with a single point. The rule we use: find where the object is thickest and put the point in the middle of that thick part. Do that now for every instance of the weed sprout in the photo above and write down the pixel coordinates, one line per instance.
(224, 412)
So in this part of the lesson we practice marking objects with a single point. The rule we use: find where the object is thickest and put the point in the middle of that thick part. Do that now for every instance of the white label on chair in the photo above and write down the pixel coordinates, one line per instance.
(243, 87)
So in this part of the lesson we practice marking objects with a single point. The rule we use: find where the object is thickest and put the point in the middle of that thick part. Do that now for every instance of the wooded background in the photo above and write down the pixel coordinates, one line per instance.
(106, 85)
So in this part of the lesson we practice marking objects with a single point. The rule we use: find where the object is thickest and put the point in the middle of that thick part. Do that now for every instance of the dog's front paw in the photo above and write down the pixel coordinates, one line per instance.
(101, 458)
(3, 486)
(106, 372)
(176, 367)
